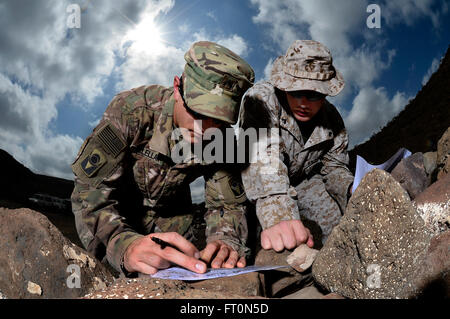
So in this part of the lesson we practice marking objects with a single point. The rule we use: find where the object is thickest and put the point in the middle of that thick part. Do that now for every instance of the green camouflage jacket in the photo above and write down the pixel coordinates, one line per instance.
(127, 185)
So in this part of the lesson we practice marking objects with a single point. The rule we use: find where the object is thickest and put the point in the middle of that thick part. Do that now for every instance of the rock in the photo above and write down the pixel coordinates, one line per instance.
(379, 247)
(37, 261)
(152, 288)
(430, 163)
(436, 281)
(310, 292)
(443, 154)
(282, 281)
(411, 174)
(433, 205)
(34, 288)
(302, 257)
(245, 285)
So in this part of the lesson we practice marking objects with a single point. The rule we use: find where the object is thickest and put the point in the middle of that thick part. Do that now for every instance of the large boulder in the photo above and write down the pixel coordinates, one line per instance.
(379, 247)
(433, 205)
(435, 283)
(412, 175)
(37, 261)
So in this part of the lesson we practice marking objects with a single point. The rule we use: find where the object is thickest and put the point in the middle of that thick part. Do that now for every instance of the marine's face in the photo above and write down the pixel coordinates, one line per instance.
(192, 124)
(305, 104)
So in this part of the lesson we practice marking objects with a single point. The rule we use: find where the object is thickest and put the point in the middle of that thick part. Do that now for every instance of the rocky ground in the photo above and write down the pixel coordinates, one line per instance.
(392, 242)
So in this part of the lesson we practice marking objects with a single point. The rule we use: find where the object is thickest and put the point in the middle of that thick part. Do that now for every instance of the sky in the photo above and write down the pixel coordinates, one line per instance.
(57, 76)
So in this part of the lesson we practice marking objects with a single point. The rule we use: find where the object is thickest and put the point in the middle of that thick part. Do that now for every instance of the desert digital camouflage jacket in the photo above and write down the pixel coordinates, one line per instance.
(295, 157)
(126, 183)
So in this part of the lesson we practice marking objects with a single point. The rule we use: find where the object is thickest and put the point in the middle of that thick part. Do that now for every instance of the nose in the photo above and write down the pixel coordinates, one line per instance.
(302, 102)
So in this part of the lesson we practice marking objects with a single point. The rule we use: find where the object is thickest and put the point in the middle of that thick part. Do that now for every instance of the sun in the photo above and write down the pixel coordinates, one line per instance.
(146, 36)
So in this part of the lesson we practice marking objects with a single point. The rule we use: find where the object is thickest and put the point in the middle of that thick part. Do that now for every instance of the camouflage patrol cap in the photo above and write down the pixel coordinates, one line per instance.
(307, 65)
(214, 80)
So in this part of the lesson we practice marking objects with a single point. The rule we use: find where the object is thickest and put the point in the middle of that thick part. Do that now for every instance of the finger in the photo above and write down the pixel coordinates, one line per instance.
(183, 260)
(277, 242)
(232, 259)
(310, 241)
(300, 231)
(145, 268)
(155, 260)
(265, 241)
(178, 241)
(289, 239)
(209, 251)
(220, 257)
(242, 262)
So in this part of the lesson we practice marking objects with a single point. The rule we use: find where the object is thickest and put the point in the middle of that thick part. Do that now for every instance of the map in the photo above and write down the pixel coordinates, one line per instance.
(177, 273)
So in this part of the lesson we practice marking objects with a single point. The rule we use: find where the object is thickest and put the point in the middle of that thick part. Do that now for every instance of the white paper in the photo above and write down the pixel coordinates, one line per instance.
(362, 167)
(177, 273)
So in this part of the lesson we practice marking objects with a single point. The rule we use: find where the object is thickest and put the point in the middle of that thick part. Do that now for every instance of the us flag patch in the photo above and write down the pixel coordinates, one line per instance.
(110, 140)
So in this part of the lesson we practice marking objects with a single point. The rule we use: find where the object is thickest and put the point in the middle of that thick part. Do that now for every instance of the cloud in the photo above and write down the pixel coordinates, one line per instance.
(24, 132)
(372, 109)
(42, 61)
(408, 11)
(339, 25)
(433, 68)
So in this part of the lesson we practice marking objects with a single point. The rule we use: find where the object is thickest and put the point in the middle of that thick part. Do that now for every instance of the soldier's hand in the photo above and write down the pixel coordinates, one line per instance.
(146, 256)
(287, 234)
(221, 255)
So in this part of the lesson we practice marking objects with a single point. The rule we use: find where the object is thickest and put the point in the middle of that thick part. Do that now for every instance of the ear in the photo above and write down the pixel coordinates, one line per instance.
(176, 84)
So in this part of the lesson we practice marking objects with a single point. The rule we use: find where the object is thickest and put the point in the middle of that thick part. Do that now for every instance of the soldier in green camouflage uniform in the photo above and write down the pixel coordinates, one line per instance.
(129, 188)
(310, 181)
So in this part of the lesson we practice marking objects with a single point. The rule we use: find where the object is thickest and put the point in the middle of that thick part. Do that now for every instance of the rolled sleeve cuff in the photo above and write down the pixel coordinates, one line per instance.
(117, 247)
(273, 209)
(229, 227)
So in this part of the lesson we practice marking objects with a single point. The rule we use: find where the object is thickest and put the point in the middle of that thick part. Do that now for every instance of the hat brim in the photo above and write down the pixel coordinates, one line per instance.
(289, 83)
(217, 104)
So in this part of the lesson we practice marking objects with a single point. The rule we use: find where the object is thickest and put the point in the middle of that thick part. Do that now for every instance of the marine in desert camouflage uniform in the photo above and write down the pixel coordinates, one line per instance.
(128, 187)
(310, 183)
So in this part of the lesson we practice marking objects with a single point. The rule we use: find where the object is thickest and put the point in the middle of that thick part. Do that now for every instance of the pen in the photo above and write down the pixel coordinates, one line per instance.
(163, 243)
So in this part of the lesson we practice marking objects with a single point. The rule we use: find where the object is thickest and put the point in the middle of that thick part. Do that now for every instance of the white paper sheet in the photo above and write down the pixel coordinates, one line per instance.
(177, 273)
(362, 167)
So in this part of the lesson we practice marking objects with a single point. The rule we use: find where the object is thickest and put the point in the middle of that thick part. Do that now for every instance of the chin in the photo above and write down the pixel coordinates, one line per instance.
(302, 119)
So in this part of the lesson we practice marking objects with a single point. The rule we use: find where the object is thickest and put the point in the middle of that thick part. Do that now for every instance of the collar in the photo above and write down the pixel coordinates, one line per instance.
(161, 140)
(167, 137)
(321, 132)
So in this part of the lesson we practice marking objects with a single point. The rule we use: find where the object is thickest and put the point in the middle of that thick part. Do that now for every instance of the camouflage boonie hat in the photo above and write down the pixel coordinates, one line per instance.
(214, 81)
(307, 65)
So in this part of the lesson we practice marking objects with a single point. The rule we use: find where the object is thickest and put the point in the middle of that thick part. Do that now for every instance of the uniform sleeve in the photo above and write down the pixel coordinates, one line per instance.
(337, 176)
(266, 180)
(225, 217)
(99, 168)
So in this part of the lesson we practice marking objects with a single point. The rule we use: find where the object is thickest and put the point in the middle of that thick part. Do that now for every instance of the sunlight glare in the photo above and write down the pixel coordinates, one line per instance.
(146, 37)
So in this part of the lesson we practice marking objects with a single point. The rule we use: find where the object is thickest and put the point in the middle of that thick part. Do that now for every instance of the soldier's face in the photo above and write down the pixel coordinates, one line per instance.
(192, 124)
(305, 104)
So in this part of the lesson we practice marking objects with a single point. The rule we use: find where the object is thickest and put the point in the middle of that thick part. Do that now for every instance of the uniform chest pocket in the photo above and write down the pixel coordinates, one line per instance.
(313, 163)
(150, 175)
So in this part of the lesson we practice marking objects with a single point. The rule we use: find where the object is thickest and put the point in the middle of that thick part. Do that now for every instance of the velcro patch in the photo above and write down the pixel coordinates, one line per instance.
(236, 187)
(93, 162)
(110, 140)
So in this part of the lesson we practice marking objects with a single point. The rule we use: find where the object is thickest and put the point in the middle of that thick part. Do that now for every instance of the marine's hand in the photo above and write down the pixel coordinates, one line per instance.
(286, 234)
(221, 255)
(145, 256)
